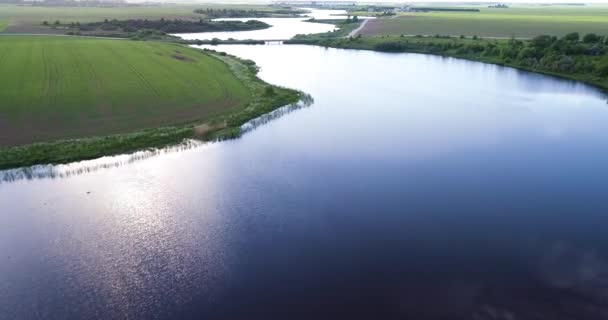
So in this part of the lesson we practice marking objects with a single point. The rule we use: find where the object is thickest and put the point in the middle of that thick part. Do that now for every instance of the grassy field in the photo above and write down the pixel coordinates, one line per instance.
(56, 88)
(64, 99)
(27, 19)
(519, 21)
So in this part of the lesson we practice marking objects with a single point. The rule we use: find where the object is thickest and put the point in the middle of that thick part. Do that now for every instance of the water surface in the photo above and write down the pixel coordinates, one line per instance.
(414, 187)
(281, 28)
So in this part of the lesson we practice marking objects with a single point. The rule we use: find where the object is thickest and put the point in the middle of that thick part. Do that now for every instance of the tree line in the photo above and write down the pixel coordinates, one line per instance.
(239, 13)
(170, 26)
(568, 54)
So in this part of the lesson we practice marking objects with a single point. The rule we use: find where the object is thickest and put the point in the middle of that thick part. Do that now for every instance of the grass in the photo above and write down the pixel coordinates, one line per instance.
(59, 88)
(27, 19)
(69, 99)
(3, 24)
(519, 21)
(265, 98)
(343, 28)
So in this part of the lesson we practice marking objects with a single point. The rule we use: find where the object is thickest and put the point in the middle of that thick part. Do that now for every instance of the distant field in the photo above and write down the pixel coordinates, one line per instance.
(3, 24)
(521, 21)
(55, 87)
(27, 19)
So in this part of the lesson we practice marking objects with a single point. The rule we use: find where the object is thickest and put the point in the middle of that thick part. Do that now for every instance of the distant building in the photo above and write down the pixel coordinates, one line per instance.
(499, 6)
(380, 9)
(403, 8)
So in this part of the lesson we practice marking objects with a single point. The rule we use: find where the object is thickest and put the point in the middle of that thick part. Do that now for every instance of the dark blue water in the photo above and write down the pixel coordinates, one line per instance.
(415, 187)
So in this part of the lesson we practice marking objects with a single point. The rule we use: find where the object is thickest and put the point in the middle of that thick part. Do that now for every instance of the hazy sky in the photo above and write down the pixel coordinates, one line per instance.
(390, 1)
(517, 1)
(419, 1)
(504, 1)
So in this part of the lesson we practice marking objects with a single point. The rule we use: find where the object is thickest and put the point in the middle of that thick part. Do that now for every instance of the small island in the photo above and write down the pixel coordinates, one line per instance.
(153, 29)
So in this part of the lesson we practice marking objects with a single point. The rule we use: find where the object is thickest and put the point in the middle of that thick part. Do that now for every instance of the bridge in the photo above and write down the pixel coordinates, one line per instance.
(273, 41)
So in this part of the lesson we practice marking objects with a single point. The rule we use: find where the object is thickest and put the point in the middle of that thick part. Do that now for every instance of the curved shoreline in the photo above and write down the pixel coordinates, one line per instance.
(219, 127)
(360, 44)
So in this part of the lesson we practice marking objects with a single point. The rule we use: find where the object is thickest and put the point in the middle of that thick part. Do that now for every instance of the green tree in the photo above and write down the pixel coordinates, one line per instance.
(542, 41)
(269, 91)
(574, 36)
(591, 38)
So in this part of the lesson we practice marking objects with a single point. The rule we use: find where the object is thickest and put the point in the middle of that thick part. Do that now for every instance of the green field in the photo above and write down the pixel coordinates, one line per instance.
(518, 21)
(27, 19)
(59, 87)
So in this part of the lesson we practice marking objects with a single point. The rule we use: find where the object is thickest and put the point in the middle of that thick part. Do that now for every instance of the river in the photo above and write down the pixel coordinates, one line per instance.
(281, 28)
(414, 187)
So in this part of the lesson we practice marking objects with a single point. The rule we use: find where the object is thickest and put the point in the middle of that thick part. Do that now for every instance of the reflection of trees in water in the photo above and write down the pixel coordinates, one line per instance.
(77, 168)
(571, 283)
(82, 167)
(306, 101)
(565, 282)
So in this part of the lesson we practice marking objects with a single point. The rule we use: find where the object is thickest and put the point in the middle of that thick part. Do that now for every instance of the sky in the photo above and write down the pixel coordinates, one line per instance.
(417, 1)
(512, 1)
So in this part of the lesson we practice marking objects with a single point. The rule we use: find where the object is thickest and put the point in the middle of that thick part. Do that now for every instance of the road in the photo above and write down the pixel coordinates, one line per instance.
(354, 32)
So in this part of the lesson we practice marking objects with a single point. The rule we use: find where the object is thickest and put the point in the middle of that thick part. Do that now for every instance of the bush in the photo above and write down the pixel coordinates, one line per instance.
(574, 36)
(390, 46)
(591, 38)
(602, 69)
(526, 53)
(269, 91)
(542, 41)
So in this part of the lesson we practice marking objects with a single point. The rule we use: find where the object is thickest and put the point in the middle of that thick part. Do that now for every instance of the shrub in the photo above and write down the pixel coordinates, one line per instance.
(602, 69)
(542, 41)
(574, 36)
(591, 38)
(269, 91)
(390, 46)
(526, 53)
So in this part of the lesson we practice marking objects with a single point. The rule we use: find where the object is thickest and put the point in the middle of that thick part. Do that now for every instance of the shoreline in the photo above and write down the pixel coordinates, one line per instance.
(265, 99)
(336, 43)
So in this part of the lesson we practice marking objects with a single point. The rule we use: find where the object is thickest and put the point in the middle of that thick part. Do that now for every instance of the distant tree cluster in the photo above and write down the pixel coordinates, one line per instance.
(235, 13)
(430, 9)
(232, 13)
(568, 54)
(351, 20)
(171, 26)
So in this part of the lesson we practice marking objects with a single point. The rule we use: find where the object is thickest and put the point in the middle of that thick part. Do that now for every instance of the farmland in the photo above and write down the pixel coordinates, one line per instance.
(56, 88)
(27, 19)
(519, 21)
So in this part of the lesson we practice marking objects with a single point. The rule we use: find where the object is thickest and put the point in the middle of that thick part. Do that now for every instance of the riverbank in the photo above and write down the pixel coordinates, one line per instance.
(570, 59)
(219, 123)
(343, 28)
